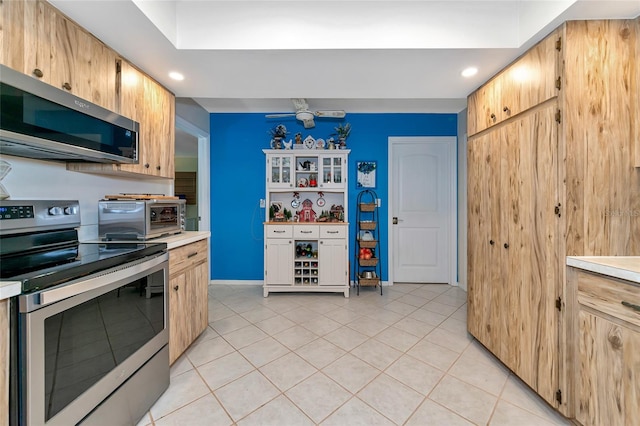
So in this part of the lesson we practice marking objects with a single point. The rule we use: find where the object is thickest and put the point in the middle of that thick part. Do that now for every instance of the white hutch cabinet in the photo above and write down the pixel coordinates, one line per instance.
(306, 231)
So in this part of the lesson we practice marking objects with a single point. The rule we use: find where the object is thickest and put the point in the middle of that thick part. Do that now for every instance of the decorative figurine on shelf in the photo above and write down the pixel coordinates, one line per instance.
(343, 133)
(337, 213)
(288, 145)
(298, 138)
(313, 182)
(278, 133)
(307, 214)
(331, 143)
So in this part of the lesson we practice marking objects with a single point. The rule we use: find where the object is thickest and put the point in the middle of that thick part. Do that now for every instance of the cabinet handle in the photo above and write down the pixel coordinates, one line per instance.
(321, 242)
(305, 232)
(506, 245)
(176, 288)
(66, 86)
(507, 110)
(631, 305)
(190, 255)
(332, 232)
(157, 167)
(493, 117)
(38, 73)
(492, 242)
(279, 232)
(146, 166)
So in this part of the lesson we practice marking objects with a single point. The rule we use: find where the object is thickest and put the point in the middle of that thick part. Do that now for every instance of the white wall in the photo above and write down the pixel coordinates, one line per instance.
(462, 199)
(35, 179)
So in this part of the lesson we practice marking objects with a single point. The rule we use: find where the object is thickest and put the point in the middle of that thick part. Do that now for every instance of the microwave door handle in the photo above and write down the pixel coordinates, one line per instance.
(131, 273)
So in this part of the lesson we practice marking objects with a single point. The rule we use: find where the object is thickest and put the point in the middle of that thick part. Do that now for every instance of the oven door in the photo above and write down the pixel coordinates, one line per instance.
(163, 219)
(81, 341)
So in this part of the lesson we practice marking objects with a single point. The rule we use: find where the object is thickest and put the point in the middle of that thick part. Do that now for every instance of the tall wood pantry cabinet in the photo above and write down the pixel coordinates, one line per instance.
(550, 174)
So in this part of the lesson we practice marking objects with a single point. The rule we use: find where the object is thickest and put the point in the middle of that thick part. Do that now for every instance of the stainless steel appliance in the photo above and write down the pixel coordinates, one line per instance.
(140, 219)
(89, 333)
(41, 121)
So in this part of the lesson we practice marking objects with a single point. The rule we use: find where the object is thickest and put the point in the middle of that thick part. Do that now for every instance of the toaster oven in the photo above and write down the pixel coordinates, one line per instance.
(140, 219)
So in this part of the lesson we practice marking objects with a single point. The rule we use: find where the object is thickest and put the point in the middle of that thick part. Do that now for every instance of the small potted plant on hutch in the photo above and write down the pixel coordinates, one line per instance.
(343, 132)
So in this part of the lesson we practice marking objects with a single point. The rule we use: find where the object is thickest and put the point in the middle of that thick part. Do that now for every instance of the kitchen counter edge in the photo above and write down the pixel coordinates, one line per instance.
(9, 289)
(621, 267)
(187, 237)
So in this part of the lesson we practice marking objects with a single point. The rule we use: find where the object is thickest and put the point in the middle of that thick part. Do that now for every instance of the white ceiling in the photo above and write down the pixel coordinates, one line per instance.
(361, 56)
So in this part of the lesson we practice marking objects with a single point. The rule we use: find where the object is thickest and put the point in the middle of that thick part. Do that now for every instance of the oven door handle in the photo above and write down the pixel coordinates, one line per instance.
(102, 279)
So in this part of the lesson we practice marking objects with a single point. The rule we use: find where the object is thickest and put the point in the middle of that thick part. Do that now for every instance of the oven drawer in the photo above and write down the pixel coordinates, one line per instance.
(185, 257)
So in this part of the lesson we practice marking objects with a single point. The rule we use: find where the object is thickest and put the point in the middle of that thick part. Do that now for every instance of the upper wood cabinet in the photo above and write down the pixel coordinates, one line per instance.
(529, 81)
(148, 103)
(151, 105)
(43, 43)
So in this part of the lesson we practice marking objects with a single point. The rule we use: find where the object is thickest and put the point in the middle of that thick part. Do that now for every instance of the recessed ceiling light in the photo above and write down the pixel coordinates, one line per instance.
(469, 72)
(176, 76)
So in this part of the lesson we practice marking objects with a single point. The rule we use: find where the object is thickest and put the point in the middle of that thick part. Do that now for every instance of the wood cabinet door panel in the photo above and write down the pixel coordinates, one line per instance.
(180, 328)
(199, 277)
(278, 261)
(608, 376)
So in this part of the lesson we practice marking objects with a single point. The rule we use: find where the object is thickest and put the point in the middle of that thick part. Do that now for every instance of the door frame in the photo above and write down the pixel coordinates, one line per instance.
(203, 171)
(452, 143)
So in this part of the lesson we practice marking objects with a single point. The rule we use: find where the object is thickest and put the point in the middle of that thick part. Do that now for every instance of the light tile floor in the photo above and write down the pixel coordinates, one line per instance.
(403, 358)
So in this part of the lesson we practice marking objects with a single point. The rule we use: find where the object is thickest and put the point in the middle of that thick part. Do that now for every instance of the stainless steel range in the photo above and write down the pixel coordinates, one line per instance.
(89, 332)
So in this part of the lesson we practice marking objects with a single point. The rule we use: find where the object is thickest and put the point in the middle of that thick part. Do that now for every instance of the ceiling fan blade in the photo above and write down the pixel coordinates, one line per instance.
(279, 115)
(334, 114)
(308, 124)
(300, 104)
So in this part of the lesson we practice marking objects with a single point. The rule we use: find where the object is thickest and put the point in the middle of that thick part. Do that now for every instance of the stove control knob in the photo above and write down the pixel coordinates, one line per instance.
(71, 210)
(55, 211)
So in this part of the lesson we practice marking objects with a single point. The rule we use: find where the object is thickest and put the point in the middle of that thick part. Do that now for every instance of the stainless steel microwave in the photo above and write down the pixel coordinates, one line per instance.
(41, 121)
(140, 219)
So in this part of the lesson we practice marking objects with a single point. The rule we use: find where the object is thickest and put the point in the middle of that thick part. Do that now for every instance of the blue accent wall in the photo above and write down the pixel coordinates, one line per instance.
(238, 177)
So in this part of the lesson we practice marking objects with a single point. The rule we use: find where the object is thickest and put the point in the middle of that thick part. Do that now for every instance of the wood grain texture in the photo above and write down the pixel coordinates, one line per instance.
(606, 295)
(188, 295)
(12, 31)
(4, 362)
(635, 91)
(608, 379)
(602, 184)
(529, 81)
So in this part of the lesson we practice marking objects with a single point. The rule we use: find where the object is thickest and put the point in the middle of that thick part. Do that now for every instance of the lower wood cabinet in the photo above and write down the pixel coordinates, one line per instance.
(188, 295)
(607, 369)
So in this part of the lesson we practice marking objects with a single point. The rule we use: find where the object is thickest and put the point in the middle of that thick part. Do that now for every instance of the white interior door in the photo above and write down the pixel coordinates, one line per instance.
(421, 209)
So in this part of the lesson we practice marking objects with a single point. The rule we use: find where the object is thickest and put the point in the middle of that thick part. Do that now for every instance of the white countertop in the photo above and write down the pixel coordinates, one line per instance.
(184, 238)
(9, 289)
(622, 267)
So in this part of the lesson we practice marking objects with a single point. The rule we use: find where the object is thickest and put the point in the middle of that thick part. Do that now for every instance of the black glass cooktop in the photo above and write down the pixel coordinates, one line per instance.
(55, 265)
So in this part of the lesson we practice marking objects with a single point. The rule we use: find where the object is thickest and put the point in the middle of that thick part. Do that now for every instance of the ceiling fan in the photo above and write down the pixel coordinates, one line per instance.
(305, 115)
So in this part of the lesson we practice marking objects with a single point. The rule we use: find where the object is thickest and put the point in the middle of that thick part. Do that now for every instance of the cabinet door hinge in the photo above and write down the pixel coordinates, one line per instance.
(559, 44)
(558, 116)
(559, 396)
(559, 303)
(556, 210)
(559, 83)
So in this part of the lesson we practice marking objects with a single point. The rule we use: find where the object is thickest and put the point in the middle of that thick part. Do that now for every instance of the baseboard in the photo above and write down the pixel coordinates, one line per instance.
(236, 282)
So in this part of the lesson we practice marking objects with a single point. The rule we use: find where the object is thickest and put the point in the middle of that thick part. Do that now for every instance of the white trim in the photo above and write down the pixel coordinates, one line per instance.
(237, 282)
(452, 143)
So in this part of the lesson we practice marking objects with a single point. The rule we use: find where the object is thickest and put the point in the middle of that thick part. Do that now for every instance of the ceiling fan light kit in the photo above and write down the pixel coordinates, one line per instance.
(303, 113)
